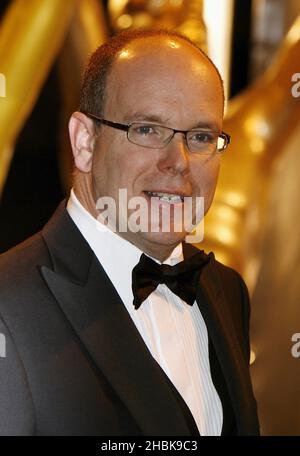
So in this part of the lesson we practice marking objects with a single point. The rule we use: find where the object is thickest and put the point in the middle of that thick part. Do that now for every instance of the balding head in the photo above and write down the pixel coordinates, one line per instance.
(170, 67)
(93, 91)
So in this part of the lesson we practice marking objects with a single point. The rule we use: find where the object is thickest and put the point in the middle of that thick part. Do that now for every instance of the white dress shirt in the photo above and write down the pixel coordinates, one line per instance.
(174, 332)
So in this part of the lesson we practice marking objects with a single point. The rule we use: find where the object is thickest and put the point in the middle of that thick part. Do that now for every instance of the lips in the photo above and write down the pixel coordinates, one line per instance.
(173, 196)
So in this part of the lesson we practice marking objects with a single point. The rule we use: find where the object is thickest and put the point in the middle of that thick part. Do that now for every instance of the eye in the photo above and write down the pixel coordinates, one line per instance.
(144, 130)
(202, 137)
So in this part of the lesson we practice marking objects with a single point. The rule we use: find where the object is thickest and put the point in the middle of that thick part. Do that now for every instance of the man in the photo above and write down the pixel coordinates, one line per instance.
(98, 336)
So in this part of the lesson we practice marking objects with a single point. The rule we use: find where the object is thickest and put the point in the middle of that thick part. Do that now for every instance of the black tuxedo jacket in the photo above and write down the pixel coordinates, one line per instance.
(73, 363)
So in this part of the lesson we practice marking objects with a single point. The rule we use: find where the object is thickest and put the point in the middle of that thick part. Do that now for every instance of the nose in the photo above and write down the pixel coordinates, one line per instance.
(174, 158)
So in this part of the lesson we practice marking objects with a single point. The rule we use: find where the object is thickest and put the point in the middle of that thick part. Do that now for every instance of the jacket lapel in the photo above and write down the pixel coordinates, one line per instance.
(212, 303)
(94, 309)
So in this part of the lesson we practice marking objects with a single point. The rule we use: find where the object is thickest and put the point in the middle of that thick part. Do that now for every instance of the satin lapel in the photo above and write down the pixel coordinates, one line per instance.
(212, 304)
(103, 325)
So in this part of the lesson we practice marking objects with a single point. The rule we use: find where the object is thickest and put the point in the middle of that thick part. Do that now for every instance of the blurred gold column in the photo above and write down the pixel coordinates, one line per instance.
(275, 302)
(261, 121)
(31, 34)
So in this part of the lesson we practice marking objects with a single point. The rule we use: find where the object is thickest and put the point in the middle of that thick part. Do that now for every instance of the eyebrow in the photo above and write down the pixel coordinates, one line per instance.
(139, 116)
(207, 126)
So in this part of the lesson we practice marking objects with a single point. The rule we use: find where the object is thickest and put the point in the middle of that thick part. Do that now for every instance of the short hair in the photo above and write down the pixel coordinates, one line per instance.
(93, 90)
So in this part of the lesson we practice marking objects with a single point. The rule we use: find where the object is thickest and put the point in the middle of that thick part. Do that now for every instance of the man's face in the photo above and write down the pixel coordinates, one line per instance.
(164, 82)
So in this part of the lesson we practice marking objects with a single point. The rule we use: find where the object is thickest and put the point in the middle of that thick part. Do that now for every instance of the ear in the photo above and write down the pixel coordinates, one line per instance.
(82, 136)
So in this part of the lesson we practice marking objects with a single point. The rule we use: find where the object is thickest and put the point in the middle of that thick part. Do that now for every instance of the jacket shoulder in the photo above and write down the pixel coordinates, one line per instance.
(28, 251)
(19, 266)
(231, 280)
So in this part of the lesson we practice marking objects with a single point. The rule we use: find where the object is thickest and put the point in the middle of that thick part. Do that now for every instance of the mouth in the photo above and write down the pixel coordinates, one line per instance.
(171, 198)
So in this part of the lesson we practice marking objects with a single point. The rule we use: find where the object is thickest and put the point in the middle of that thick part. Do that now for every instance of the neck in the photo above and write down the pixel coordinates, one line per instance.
(84, 193)
(154, 249)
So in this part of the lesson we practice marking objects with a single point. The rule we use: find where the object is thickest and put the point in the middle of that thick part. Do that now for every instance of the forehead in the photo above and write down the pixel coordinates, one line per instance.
(164, 73)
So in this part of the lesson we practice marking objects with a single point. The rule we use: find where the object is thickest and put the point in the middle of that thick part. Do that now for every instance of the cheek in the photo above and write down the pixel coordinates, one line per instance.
(103, 168)
(124, 166)
(205, 176)
(99, 176)
(212, 178)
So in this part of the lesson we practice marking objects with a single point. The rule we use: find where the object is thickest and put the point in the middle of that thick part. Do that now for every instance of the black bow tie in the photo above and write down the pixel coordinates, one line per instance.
(182, 278)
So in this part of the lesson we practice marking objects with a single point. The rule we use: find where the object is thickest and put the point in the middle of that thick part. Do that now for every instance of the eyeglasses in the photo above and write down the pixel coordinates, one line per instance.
(155, 136)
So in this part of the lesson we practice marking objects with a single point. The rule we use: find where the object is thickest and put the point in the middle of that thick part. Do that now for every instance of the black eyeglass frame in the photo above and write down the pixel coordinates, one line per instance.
(126, 127)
